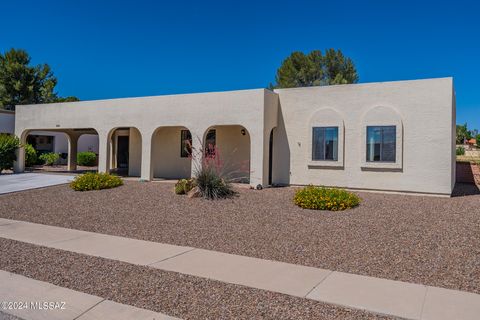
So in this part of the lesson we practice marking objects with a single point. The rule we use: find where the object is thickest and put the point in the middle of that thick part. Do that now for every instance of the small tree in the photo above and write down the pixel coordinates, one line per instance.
(477, 140)
(462, 134)
(8, 145)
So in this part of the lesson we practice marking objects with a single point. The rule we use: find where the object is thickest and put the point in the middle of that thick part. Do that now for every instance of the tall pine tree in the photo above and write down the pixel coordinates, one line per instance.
(315, 69)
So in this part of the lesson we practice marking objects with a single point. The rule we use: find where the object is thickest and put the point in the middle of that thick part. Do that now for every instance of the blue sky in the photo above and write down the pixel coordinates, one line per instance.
(110, 49)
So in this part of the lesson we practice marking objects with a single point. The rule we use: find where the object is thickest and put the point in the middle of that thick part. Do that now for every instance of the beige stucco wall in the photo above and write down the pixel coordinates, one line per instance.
(134, 153)
(422, 110)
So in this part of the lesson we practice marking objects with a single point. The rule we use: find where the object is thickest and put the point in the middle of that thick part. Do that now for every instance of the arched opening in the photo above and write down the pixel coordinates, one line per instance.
(171, 152)
(66, 143)
(124, 156)
(230, 145)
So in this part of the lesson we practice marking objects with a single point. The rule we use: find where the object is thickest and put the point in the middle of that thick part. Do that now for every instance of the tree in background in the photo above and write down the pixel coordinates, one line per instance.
(21, 83)
(462, 134)
(315, 69)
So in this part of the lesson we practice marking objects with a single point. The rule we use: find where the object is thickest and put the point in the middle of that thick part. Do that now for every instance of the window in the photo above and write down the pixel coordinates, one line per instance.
(381, 143)
(210, 142)
(185, 143)
(325, 143)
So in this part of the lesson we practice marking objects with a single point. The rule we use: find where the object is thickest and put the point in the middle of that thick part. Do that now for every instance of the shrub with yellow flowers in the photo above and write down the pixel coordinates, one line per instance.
(322, 198)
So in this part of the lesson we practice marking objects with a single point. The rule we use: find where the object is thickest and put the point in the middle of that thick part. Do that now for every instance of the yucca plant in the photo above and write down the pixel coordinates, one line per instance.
(212, 178)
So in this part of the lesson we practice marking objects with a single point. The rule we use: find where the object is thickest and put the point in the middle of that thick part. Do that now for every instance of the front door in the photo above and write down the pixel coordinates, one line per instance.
(122, 152)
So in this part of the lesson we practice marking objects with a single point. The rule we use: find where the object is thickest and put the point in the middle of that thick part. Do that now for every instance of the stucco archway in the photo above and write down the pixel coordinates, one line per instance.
(66, 142)
(231, 146)
(171, 156)
(124, 152)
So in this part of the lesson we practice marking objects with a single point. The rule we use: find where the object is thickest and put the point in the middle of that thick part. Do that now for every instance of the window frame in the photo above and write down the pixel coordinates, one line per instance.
(188, 136)
(382, 127)
(335, 159)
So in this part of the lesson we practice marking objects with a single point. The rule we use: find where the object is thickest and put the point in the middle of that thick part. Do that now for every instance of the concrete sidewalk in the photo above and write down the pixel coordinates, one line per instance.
(31, 299)
(26, 181)
(383, 296)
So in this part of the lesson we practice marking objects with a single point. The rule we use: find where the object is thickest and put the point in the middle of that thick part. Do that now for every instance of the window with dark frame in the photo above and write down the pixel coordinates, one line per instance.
(381, 143)
(210, 142)
(325, 143)
(185, 143)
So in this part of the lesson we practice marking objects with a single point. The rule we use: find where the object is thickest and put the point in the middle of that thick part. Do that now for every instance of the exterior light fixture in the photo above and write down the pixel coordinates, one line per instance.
(243, 132)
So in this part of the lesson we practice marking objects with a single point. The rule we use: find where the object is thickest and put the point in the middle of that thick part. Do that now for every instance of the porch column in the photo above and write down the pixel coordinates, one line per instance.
(103, 151)
(146, 173)
(197, 148)
(257, 159)
(19, 164)
(72, 151)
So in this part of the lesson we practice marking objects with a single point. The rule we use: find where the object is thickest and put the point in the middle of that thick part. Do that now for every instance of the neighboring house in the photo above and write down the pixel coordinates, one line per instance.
(471, 142)
(7, 121)
(47, 141)
(362, 136)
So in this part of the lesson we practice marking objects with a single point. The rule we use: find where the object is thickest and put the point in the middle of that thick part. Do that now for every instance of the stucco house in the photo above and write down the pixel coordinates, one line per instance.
(389, 136)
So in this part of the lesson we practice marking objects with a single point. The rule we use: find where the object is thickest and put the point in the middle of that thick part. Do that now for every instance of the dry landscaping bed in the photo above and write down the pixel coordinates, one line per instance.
(428, 240)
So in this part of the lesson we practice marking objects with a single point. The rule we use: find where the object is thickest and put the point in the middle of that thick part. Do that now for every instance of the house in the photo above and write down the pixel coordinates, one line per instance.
(360, 136)
(7, 121)
(471, 142)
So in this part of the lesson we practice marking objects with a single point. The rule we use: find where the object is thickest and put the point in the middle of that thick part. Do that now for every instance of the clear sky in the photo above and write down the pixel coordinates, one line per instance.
(110, 49)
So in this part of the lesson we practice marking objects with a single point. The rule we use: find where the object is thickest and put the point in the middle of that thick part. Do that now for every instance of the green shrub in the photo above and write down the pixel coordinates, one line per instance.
(8, 146)
(183, 186)
(87, 159)
(49, 158)
(95, 181)
(30, 155)
(460, 151)
(321, 198)
(212, 184)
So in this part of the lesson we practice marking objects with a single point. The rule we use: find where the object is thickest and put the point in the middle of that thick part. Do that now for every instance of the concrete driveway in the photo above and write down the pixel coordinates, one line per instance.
(27, 181)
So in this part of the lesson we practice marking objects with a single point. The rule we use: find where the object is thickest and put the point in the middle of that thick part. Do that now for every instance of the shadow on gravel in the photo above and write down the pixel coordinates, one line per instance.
(465, 189)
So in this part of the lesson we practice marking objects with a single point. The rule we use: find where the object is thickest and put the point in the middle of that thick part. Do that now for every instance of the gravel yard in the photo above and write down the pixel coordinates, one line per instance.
(172, 293)
(429, 240)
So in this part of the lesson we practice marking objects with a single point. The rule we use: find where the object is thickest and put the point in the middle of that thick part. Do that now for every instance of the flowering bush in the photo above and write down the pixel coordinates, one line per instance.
(321, 198)
(95, 181)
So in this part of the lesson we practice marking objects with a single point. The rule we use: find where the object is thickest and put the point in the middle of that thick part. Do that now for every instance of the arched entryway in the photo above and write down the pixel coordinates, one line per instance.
(230, 144)
(171, 152)
(124, 155)
(67, 143)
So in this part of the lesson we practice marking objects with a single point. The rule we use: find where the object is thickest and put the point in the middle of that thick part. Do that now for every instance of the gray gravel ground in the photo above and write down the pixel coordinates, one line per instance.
(6, 316)
(429, 240)
(172, 293)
